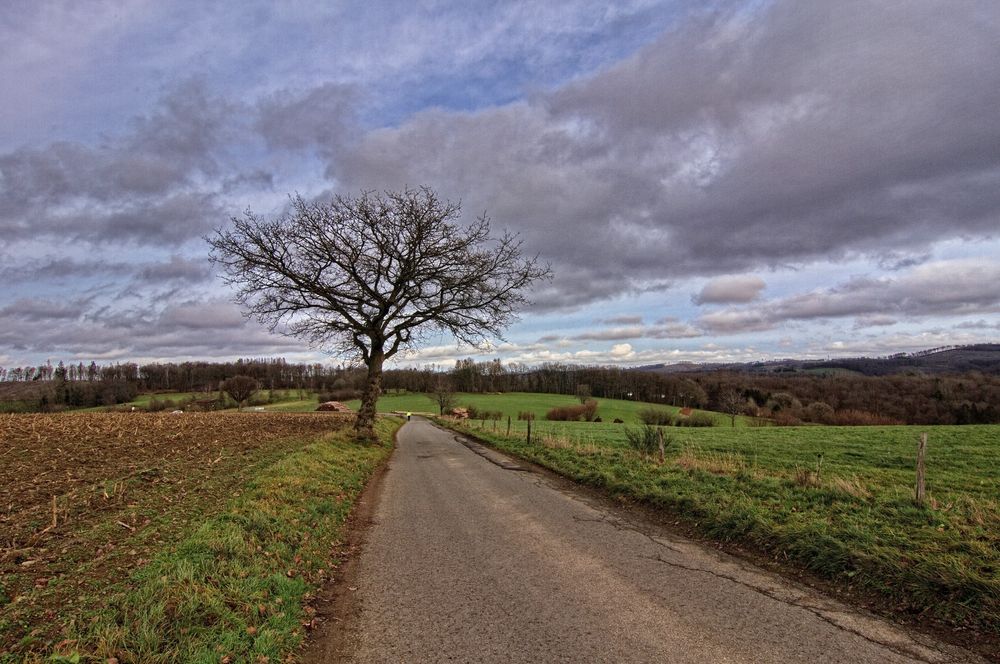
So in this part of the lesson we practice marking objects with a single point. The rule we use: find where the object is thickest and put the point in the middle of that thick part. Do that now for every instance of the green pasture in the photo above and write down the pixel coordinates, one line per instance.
(512, 403)
(836, 500)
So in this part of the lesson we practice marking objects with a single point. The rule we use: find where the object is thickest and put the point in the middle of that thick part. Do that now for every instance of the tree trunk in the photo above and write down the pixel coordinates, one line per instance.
(365, 423)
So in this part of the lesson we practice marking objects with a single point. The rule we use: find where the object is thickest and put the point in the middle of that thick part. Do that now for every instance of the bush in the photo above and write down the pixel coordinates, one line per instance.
(525, 415)
(561, 414)
(818, 411)
(782, 401)
(645, 439)
(785, 419)
(585, 411)
(696, 420)
(656, 416)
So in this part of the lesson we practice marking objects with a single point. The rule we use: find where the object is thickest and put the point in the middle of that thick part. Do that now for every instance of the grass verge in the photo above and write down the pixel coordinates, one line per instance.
(837, 501)
(235, 588)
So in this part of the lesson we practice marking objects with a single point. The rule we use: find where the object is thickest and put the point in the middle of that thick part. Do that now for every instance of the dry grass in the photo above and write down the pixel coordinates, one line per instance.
(717, 463)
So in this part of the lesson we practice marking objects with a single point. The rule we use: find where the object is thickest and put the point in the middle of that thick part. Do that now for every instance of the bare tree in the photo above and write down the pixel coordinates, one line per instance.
(240, 388)
(732, 403)
(443, 394)
(367, 276)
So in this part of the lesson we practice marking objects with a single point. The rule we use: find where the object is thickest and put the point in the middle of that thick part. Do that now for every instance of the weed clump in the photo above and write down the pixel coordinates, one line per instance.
(646, 439)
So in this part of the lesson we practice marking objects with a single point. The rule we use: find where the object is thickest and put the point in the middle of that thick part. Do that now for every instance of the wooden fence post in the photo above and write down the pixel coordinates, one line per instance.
(508, 426)
(921, 451)
(659, 440)
(529, 431)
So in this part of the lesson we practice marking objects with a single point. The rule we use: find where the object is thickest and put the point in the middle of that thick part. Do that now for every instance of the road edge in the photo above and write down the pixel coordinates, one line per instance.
(332, 639)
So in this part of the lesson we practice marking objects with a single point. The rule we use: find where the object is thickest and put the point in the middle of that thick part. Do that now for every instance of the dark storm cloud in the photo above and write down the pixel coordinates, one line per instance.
(621, 320)
(178, 268)
(750, 137)
(944, 288)
(893, 260)
(63, 269)
(668, 328)
(322, 117)
(36, 310)
(138, 186)
(980, 324)
(60, 269)
(191, 328)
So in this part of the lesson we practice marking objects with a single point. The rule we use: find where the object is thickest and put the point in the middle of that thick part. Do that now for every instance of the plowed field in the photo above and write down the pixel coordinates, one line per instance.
(85, 498)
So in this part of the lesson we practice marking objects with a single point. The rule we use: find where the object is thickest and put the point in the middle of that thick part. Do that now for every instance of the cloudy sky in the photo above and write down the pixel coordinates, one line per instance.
(728, 181)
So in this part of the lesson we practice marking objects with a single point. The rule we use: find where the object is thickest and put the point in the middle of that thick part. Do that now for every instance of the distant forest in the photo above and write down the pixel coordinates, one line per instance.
(779, 396)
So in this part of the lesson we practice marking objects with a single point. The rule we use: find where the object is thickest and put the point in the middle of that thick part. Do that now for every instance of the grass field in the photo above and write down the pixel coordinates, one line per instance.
(170, 538)
(512, 403)
(835, 500)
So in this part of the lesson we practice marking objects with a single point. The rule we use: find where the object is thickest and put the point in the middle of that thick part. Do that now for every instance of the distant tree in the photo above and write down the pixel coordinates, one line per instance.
(368, 276)
(240, 389)
(443, 394)
(732, 403)
(583, 392)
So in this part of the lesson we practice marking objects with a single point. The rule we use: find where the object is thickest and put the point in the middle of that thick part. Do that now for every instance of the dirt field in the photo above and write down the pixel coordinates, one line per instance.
(85, 498)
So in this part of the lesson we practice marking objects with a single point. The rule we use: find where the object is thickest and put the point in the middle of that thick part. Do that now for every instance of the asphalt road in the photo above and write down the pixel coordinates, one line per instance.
(469, 559)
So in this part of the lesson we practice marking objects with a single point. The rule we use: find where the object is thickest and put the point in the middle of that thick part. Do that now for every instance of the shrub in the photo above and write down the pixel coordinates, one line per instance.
(656, 416)
(818, 411)
(561, 414)
(645, 439)
(696, 420)
(619, 420)
(525, 415)
(785, 419)
(585, 411)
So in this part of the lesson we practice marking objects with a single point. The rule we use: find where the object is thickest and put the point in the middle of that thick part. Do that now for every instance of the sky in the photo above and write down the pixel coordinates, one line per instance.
(710, 182)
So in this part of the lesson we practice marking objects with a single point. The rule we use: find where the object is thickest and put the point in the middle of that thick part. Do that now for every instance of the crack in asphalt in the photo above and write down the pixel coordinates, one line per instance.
(492, 456)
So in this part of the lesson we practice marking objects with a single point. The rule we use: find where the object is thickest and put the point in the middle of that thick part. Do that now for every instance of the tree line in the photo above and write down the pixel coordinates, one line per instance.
(785, 398)
(782, 397)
